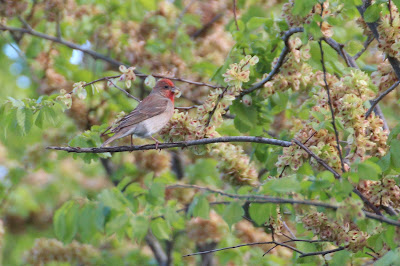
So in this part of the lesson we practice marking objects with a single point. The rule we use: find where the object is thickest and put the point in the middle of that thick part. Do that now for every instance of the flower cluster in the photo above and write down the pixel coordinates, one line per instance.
(389, 34)
(203, 231)
(234, 163)
(238, 73)
(295, 73)
(364, 138)
(236, 166)
(298, 21)
(52, 250)
(346, 235)
(349, 210)
(154, 161)
(10, 8)
(384, 192)
(128, 75)
(384, 76)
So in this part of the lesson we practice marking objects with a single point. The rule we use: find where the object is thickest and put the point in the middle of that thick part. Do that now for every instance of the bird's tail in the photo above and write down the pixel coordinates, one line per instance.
(109, 140)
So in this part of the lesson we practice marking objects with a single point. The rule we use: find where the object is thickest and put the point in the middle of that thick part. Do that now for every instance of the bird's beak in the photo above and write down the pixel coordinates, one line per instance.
(176, 91)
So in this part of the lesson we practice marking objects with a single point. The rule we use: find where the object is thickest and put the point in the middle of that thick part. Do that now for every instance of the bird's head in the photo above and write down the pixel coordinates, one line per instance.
(166, 88)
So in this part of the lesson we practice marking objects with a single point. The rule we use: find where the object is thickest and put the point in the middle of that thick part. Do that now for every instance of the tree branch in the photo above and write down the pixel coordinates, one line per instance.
(183, 144)
(374, 28)
(278, 64)
(94, 54)
(210, 115)
(261, 199)
(157, 249)
(380, 97)
(366, 44)
(331, 106)
(71, 45)
(321, 252)
(337, 176)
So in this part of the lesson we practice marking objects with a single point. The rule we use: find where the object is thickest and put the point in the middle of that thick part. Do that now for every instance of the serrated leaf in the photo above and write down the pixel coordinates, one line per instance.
(202, 208)
(140, 226)
(24, 119)
(233, 213)
(303, 7)
(372, 13)
(65, 221)
(160, 228)
(259, 213)
(395, 153)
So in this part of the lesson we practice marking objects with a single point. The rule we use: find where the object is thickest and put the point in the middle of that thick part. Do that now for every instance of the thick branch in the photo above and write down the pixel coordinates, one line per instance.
(374, 28)
(183, 144)
(279, 63)
(157, 249)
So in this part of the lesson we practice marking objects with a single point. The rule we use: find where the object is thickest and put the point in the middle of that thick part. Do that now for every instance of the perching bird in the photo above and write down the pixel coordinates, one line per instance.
(150, 116)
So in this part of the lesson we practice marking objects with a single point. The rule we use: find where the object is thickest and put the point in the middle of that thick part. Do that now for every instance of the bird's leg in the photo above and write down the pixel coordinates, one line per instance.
(131, 143)
(157, 142)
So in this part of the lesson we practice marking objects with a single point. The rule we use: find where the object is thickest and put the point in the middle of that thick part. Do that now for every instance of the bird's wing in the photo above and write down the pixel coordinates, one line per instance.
(151, 106)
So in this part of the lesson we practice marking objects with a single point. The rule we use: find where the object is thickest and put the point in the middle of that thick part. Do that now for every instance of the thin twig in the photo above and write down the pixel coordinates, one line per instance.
(244, 245)
(206, 26)
(278, 64)
(331, 107)
(211, 113)
(321, 252)
(366, 44)
(94, 54)
(380, 97)
(124, 91)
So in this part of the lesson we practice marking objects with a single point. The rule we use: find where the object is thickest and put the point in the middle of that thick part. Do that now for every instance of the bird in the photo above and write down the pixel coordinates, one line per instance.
(150, 116)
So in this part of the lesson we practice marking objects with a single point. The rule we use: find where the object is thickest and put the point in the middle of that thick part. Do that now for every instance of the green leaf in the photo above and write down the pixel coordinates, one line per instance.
(233, 213)
(259, 213)
(391, 258)
(202, 208)
(303, 7)
(393, 133)
(39, 119)
(369, 171)
(256, 22)
(395, 153)
(113, 198)
(66, 221)
(372, 13)
(283, 185)
(89, 218)
(397, 3)
(353, 47)
(24, 119)
(160, 228)
(140, 226)
(156, 194)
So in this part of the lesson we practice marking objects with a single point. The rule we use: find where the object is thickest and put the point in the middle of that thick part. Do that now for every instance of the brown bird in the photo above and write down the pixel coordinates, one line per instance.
(150, 116)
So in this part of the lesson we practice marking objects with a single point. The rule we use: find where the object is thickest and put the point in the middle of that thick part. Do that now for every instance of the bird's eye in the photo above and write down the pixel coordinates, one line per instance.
(166, 87)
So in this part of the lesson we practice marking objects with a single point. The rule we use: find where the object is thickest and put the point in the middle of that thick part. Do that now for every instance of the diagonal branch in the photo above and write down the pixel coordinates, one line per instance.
(337, 176)
(380, 97)
(71, 45)
(278, 64)
(95, 55)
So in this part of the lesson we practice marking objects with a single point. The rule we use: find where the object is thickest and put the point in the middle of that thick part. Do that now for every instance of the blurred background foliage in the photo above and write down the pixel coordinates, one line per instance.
(97, 209)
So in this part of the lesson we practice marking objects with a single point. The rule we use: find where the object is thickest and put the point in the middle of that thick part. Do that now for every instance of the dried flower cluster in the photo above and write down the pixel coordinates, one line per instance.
(299, 21)
(346, 235)
(381, 193)
(295, 73)
(389, 34)
(51, 250)
(235, 165)
(364, 137)
(203, 231)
